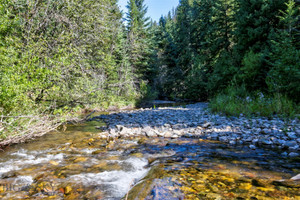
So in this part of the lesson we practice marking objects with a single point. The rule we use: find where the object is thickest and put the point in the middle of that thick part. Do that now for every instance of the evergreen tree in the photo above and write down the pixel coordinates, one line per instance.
(138, 37)
(255, 22)
(169, 73)
(284, 76)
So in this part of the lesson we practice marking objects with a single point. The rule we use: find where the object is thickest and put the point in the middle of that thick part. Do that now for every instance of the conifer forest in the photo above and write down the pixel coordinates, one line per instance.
(102, 102)
(59, 57)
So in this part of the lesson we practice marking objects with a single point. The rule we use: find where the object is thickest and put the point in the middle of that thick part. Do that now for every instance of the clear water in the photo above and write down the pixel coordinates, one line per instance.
(77, 164)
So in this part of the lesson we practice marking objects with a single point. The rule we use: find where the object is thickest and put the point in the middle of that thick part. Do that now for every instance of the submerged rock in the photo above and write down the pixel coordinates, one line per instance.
(164, 189)
(296, 178)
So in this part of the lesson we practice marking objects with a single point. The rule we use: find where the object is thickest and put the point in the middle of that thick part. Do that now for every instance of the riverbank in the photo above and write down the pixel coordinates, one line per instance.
(21, 129)
(195, 120)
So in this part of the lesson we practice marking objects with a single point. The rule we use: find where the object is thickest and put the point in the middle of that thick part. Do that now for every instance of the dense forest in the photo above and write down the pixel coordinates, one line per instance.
(232, 52)
(58, 57)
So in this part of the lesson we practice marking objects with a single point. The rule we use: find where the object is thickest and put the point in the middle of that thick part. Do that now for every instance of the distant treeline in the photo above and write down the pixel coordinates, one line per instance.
(207, 47)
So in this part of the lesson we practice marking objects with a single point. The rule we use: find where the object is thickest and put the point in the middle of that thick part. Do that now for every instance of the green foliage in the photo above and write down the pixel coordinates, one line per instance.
(236, 101)
(60, 55)
(212, 45)
(147, 92)
(252, 74)
(56, 55)
(222, 76)
(139, 37)
(284, 76)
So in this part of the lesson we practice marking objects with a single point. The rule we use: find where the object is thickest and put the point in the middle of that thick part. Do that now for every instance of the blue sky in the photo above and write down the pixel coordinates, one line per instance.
(156, 8)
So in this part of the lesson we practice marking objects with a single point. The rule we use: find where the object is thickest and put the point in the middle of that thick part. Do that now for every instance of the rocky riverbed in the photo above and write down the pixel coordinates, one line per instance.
(152, 154)
(196, 121)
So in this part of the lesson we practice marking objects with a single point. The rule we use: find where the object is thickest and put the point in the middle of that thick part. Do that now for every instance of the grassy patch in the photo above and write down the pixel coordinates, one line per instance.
(236, 102)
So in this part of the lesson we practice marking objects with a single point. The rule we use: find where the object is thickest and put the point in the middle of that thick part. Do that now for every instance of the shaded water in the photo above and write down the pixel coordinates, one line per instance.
(161, 103)
(77, 164)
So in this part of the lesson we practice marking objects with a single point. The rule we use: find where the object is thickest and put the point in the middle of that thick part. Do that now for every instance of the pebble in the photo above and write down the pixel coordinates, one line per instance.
(291, 144)
(266, 142)
(196, 121)
(292, 135)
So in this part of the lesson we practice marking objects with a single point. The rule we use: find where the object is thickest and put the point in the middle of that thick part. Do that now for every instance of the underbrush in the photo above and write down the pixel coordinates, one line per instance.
(17, 127)
(235, 101)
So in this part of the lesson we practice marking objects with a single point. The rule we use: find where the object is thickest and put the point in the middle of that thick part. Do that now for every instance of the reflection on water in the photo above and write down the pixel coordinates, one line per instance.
(77, 164)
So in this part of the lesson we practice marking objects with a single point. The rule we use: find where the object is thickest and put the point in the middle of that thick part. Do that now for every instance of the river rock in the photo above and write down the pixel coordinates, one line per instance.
(160, 190)
(196, 120)
(113, 132)
(292, 135)
(266, 142)
(150, 133)
(293, 154)
(266, 131)
(296, 178)
(125, 131)
(119, 127)
(287, 183)
(291, 144)
(207, 125)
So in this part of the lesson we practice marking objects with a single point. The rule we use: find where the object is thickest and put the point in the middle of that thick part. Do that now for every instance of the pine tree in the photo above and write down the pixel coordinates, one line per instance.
(169, 73)
(255, 22)
(284, 76)
(138, 36)
(222, 41)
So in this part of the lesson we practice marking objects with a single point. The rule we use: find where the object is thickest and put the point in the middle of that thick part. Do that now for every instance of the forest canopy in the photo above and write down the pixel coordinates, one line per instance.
(57, 56)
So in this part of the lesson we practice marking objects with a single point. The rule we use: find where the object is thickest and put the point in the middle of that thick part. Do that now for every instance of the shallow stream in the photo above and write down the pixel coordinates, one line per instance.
(77, 164)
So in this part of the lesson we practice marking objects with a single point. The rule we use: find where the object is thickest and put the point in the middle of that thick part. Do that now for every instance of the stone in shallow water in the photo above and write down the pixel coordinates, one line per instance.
(52, 162)
(68, 189)
(164, 189)
(80, 159)
(288, 183)
(296, 178)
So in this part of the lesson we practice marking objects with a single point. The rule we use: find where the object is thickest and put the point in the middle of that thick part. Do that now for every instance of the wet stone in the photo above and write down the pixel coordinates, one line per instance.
(187, 167)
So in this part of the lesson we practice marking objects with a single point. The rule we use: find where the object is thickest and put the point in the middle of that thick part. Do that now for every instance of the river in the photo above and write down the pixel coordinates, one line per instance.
(78, 164)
